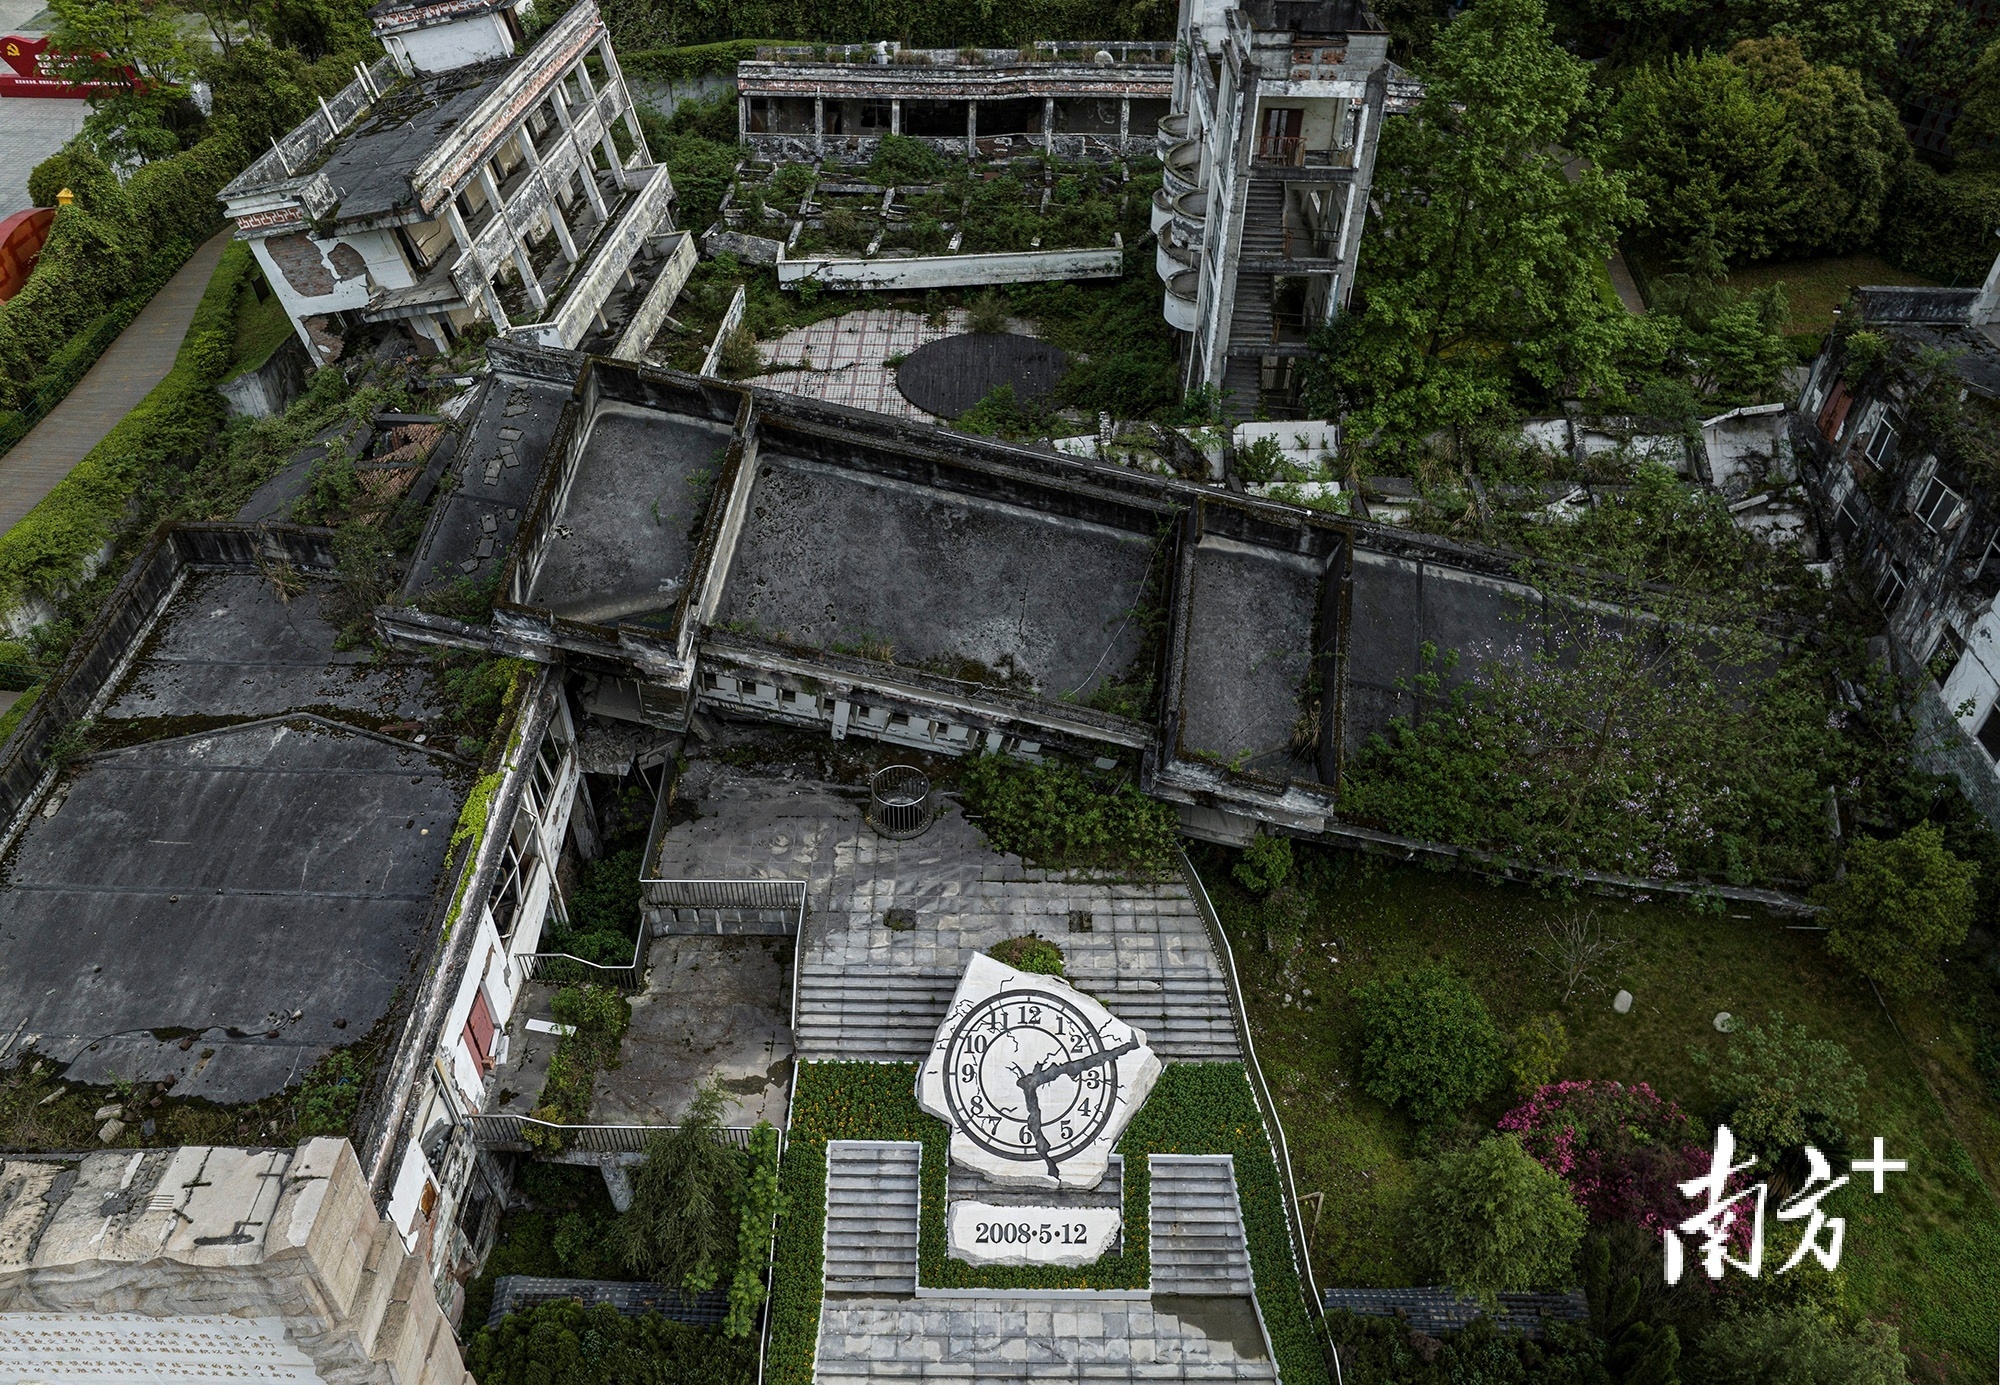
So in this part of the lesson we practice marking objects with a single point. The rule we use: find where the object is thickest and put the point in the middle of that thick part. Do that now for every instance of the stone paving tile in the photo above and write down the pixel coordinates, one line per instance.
(849, 354)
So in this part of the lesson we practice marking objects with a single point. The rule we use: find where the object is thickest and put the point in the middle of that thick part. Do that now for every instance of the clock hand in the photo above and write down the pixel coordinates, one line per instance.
(1028, 1085)
(1043, 1075)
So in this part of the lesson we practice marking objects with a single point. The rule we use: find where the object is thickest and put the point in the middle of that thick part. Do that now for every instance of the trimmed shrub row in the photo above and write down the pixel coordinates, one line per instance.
(1196, 1108)
(54, 543)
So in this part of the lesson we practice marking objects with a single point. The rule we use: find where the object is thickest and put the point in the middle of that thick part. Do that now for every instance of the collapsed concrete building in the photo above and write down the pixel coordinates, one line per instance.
(214, 1263)
(803, 104)
(453, 181)
(1909, 504)
(1268, 155)
(690, 547)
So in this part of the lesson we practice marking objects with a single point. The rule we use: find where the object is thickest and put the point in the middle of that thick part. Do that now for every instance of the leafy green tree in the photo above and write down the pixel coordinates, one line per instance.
(1902, 902)
(682, 1227)
(1639, 1352)
(1540, 1045)
(1799, 1347)
(1755, 154)
(1483, 272)
(1494, 1221)
(103, 41)
(1782, 1087)
(1431, 1048)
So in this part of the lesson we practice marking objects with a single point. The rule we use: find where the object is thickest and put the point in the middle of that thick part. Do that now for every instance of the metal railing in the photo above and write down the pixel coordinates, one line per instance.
(1274, 1129)
(1293, 151)
(763, 896)
(561, 969)
(899, 801)
(511, 1132)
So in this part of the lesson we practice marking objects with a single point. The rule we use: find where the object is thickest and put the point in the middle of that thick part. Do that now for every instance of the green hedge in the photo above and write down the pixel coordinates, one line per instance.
(1197, 1108)
(49, 549)
(687, 63)
(641, 24)
(99, 250)
(69, 365)
(564, 1343)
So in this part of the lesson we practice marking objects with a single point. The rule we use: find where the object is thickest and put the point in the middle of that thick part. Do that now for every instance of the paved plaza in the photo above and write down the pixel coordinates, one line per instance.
(849, 358)
(890, 924)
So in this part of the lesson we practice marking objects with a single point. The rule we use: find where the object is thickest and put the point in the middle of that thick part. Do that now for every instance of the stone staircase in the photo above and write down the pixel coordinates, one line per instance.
(870, 1015)
(872, 1202)
(1198, 1245)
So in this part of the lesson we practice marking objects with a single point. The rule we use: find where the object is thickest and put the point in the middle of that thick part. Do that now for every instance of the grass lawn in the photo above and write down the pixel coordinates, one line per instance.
(261, 328)
(1814, 288)
(1926, 1256)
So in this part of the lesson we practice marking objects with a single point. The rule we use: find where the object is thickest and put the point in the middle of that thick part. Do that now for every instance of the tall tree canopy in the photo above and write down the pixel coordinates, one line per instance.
(1756, 153)
(1484, 271)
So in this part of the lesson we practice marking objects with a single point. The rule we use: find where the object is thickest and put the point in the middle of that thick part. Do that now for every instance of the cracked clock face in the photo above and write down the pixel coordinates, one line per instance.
(1034, 1079)
(1028, 1076)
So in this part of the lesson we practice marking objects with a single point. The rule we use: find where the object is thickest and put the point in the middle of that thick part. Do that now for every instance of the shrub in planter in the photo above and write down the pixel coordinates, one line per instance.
(1032, 953)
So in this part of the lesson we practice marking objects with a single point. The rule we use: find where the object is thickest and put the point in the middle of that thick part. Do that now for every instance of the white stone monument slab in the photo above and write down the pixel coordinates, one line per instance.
(130, 1348)
(1035, 1079)
(985, 1233)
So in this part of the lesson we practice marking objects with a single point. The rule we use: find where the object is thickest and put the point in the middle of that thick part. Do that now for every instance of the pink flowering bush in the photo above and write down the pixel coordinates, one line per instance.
(1623, 1150)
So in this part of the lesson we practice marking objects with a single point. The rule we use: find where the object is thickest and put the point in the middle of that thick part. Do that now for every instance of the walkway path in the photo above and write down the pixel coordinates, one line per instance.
(137, 361)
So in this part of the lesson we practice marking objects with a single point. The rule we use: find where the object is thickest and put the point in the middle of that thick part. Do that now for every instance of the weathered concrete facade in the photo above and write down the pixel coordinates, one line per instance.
(261, 1264)
(1924, 534)
(453, 181)
(1268, 154)
(1074, 100)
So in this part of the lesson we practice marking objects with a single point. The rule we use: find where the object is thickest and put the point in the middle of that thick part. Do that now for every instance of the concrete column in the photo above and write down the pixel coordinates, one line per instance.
(616, 76)
(972, 128)
(610, 148)
(1049, 123)
(491, 186)
(584, 169)
(528, 280)
(742, 117)
(819, 124)
(563, 237)
(1124, 123)
(491, 299)
(895, 115)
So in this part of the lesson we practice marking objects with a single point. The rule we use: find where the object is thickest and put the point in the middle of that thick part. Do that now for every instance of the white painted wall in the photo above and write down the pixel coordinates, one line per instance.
(443, 47)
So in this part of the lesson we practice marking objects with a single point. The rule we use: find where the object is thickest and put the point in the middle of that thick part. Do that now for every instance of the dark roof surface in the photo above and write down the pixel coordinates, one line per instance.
(370, 165)
(254, 849)
(1886, 305)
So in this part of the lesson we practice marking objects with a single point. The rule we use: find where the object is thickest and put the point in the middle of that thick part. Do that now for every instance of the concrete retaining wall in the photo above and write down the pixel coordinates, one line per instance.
(954, 271)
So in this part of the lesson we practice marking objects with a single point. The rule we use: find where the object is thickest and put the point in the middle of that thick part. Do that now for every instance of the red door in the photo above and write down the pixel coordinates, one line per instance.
(479, 1032)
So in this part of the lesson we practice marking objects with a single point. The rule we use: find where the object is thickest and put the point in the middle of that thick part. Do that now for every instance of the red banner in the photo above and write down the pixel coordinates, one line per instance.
(29, 72)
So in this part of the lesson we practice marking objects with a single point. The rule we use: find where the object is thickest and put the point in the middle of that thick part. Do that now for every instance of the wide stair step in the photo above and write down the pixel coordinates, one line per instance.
(872, 1204)
(885, 1016)
(1197, 1222)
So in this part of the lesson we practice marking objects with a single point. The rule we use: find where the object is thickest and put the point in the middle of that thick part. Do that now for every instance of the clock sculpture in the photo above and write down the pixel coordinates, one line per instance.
(1035, 1080)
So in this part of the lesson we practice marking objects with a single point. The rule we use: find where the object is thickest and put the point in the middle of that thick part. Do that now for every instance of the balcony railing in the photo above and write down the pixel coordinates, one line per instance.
(525, 1132)
(1293, 151)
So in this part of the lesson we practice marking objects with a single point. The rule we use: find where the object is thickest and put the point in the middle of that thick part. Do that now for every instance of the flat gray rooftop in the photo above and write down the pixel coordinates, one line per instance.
(208, 881)
(231, 645)
(370, 165)
(621, 548)
(1250, 640)
(967, 586)
(215, 885)
(492, 479)
(1397, 605)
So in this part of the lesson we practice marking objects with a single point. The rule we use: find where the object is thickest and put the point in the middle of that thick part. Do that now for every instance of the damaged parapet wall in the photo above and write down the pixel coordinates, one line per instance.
(1075, 100)
(262, 1264)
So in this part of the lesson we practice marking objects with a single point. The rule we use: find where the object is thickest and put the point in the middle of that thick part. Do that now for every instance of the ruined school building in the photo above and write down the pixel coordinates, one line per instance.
(466, 176)
(1920, 521)
(1265, 124)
